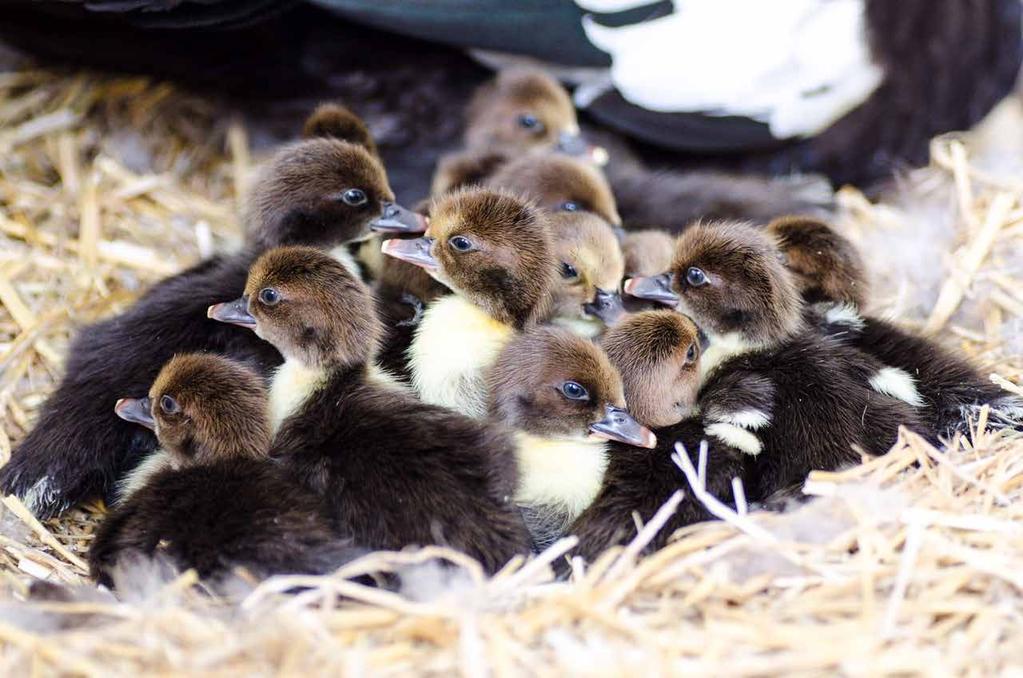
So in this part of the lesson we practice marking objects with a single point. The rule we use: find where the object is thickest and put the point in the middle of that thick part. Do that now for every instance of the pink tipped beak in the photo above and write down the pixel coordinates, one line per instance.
(619, 425)
(415, 251)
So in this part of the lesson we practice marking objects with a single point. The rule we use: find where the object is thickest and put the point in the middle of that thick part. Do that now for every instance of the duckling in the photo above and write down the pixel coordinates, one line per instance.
(565, 402)
(658, 353)
(647, 253)
(325, 192)
(586, 296)
(217, 501)
(494, 252)
(730, 279)
(832, 276)
(519, 111)
(394, 471)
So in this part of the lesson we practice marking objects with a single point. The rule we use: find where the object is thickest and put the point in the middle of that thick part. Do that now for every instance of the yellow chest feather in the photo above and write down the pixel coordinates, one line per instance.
(292, 384)
(454, 345)
(141, 474)
(563, 473)
(721, 348)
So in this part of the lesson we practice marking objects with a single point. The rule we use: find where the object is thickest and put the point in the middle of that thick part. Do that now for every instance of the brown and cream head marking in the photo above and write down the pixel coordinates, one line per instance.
(491, 248)
(590, 267)
(658, 355)
(550, 383)
(730, 279)
(325, 190)
(204, 408)
(828, 267)
(523, 109)
(647, 252)
(309, 306)
(559, 183)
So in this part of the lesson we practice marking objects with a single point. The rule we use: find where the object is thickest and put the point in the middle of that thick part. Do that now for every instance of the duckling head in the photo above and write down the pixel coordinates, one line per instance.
(204, 408)
(325, 190)
(309, 306)
(647, 252)
(523, 109)
(591, 269)
(657, 354)
(491, 248)
(728, 277)
(828, 267)
(551, 383)
(558, 182)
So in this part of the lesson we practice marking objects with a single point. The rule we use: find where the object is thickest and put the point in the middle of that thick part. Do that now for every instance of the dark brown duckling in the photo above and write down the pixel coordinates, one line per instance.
(394, 471)
(586, 297)
(730, 279)
(565, 401)
(658, 353)
(494, 251)
(214, 501)
(832, 276)
(325, 192)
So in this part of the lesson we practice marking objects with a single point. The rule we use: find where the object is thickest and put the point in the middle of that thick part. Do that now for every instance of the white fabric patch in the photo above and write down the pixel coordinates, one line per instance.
(737, 437)
(897, 383)
(797, 65)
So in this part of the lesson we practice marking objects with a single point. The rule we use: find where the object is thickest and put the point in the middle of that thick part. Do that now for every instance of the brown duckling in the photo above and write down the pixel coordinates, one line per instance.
(832, 275)
(215, 501)
(494, 251)
(647, 253)
(394, 471)
(326, 192)
(586, 296)
(730, 279)
(565, 402)
(521, 110)
(658, 353)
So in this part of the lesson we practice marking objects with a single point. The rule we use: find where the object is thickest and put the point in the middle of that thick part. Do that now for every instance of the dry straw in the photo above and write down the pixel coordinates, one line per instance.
(908, 563)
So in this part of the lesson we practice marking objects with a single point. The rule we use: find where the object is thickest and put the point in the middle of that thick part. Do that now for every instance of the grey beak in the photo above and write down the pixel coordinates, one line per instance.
(234, 312)
(415, 251)
(704, 340)
(655, 288)
(397, 219)
(137, 411)
(605, 305)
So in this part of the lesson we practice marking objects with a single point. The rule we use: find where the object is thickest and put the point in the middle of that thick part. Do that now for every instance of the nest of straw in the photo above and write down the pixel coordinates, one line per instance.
(909, 562)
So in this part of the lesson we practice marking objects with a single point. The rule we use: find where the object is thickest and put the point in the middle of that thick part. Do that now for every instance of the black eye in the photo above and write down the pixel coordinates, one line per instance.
(169, 405)
(570, 206)
(269, 296)
(460, 243)
(530, 122)
(354, 197)
(691, 354)
(568, 271)
(696, 277)
(574, 391)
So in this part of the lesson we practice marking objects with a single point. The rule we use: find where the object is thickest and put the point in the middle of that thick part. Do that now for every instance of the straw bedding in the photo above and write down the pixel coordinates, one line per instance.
(909, 563)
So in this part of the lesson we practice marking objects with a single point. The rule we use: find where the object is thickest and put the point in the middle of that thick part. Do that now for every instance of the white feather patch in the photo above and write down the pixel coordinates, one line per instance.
(292, 384)
(141, 474)
(560, 473)
(344, 255)
(453, 346)
(751, 419)
(897, 383)
(587, 328)
(721, 348)
(846, 315)
(736, 436)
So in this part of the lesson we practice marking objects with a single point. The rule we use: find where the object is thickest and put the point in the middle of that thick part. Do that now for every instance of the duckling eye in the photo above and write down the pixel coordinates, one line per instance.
(460, 243)
(354, 197)
(530, 122)
(568, 271)
(269, 296)
(573, 391)
(691, 354)
(570, 206)
(696, 277)
(169, 405)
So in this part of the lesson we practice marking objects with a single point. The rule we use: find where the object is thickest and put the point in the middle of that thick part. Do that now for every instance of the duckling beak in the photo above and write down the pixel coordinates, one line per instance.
(607, 306)
(235, 312)
(137, 411)
(619, 425)
(571, 143)
(655, 288)
(397, 219)
(415, 251)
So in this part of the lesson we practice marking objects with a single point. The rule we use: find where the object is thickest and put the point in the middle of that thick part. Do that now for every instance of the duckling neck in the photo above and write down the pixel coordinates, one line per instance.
(562, 472)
